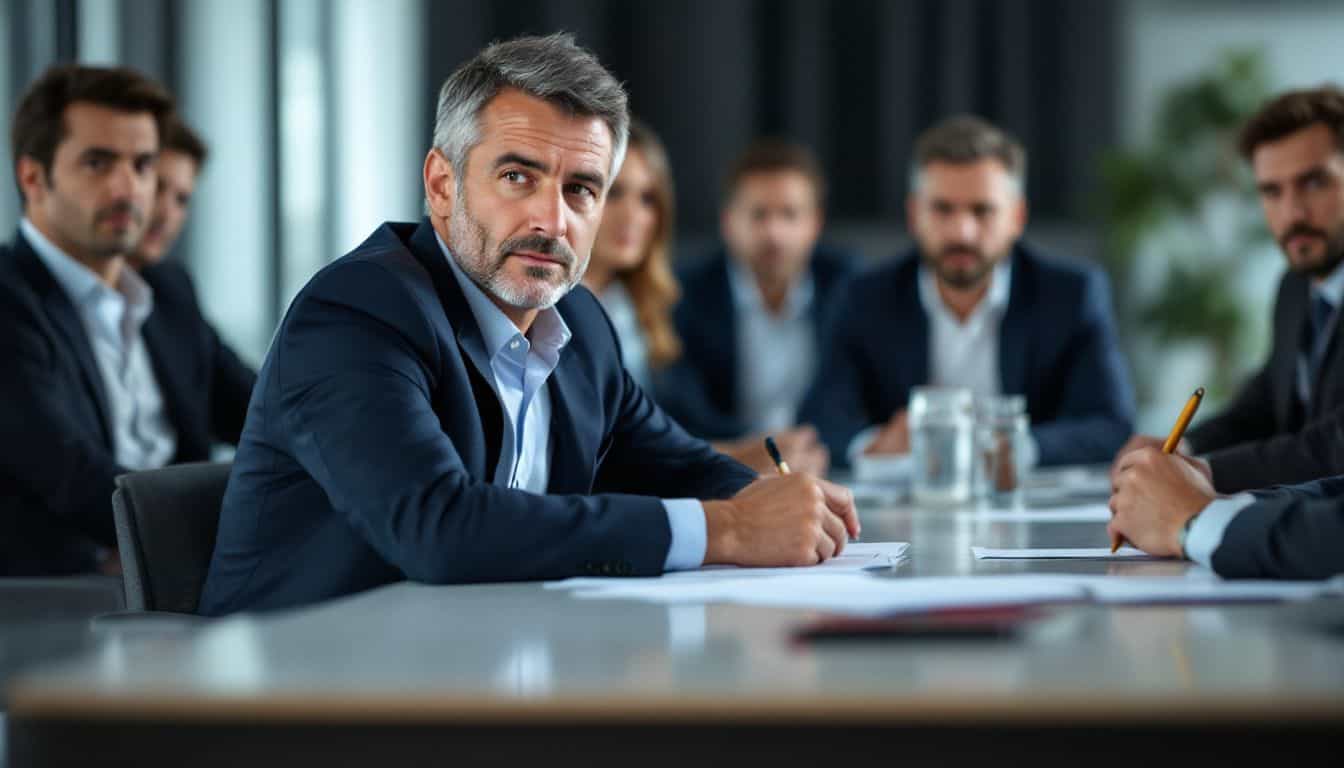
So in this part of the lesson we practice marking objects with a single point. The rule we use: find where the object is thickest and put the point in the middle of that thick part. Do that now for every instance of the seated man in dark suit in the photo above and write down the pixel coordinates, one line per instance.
(107, 372)
(444, 405)
(751, 315)
(1287, 423)
(1165, 506)
(973, 306)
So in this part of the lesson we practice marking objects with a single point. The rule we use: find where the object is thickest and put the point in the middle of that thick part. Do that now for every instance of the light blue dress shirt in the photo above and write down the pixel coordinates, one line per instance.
(1206, 532)
(777, 353)
(142, 435)
(521, 364)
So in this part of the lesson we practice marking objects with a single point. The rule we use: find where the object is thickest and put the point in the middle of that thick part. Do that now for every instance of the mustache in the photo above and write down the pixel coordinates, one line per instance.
(1302, 229)
(968, 250)
(547, 246)
(117, 209)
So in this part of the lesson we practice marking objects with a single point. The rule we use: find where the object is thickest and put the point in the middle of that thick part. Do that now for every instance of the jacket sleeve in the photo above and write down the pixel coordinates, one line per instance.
(231, 383)
(837, 403)
(1288, 533)
(1317, 450)
(45, 453)
(356, 369)
(1096, 413)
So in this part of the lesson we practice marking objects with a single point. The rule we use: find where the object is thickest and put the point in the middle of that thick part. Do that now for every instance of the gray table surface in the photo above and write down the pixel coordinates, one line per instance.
(523, 651)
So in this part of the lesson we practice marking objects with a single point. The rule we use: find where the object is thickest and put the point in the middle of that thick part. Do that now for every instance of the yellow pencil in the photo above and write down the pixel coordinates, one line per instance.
(1174, 438)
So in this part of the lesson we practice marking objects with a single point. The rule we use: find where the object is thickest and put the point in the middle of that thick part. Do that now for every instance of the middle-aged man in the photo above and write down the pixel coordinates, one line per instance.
(106, 372)
(444, 405)
(752, 314)
(1287, 423)
(973, 306)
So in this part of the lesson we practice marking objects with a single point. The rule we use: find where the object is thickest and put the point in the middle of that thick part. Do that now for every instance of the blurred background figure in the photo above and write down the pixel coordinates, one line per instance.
(752, 315)
(630, 268)
(973, 306)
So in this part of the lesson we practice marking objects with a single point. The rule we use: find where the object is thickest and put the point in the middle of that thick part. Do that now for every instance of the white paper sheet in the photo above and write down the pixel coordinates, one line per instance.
(857, 556)
(1085, 513)
(858, 593)
(1074, 553)
(1199, 587)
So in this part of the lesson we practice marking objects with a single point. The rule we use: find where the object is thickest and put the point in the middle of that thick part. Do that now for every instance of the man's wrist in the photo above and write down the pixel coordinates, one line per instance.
(1184, 533)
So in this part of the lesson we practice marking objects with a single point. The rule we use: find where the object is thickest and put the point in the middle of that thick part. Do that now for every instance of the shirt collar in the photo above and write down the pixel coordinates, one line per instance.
(80, 283)
(1332, 287)
(1000, 290)
(747, 293)
(549, 333)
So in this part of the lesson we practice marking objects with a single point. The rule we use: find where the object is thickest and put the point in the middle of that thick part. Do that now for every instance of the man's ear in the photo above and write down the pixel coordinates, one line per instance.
(32, 179)
(440, 184)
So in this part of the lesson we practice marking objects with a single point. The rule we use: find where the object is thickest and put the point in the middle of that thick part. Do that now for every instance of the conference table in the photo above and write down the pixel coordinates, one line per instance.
(514, 673)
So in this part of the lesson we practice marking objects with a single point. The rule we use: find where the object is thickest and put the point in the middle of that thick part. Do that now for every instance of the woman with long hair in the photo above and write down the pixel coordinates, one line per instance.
(630, 270)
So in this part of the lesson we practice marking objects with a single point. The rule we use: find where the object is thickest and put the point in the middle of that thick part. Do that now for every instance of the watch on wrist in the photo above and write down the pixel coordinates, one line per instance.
(1185, 531)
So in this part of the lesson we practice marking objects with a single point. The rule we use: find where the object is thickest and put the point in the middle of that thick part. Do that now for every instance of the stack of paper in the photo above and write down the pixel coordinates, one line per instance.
(1068, 553)
(1086, 513)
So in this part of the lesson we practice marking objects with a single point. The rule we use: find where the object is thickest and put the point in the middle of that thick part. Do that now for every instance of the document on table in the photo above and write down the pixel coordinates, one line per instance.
(1085, 513)
(857, 556)
(1200, 587)
(856, 593)
(1074, 553)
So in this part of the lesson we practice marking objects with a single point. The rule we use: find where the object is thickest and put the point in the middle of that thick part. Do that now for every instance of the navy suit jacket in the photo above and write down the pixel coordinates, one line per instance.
(1057, 346)
(371, 445)
(1265, 436)
(700, 389)
(1294, 532)
(57, 462)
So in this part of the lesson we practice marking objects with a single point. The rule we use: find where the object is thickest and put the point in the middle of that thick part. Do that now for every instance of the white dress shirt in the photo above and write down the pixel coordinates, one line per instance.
(142, 435)
(521, 364)
(961, 354)
(777, 353)
(634, 351)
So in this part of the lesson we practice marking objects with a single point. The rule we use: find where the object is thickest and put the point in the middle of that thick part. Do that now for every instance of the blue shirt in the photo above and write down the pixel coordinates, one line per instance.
(142, 435)
(521, 364)
(777, 353)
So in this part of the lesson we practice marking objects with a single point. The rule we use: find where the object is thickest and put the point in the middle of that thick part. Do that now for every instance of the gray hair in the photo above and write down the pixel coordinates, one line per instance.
(552, 68)
(966, 139)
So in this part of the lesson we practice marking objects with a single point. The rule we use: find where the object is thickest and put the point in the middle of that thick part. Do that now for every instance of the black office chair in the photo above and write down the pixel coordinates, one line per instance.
(166, 524)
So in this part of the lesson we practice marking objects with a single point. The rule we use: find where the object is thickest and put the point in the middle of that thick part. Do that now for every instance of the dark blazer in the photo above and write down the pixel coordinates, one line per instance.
(1265, 436)
(373, 436)
(1057, 346)
(1295, 532)
(700, 389)
(57, 461)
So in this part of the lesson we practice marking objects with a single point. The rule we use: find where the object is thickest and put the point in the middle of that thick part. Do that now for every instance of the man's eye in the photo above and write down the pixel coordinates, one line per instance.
(515, 177)
(581, 190)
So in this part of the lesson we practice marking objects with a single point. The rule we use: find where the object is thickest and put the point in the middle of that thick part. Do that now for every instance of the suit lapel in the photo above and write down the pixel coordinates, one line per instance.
(169, 371)
(425, 247)
(65, 318)
(573, 450)
(1289, 409)
(1015, 329)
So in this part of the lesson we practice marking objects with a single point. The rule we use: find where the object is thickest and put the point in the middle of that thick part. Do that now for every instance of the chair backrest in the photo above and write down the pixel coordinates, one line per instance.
(166, 521)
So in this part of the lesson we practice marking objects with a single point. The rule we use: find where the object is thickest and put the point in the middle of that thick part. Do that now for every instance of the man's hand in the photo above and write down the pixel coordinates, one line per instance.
(780, 520)
(894, 437)
(800, 447)
(1155, 494)
(1147, 441)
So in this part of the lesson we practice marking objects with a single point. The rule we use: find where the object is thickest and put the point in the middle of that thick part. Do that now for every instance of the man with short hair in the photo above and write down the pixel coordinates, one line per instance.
(1287, 423)
(752, 314)
(107, 372)
(445, 403)
(974, 306)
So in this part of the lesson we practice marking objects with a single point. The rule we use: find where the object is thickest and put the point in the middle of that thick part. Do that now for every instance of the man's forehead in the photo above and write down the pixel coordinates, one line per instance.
(1297, 152)
(982, 177)
(515, 119)
(86, 122)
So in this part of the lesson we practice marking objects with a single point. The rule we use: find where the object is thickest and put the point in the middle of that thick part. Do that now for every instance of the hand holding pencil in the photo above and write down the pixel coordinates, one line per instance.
(1169, 447)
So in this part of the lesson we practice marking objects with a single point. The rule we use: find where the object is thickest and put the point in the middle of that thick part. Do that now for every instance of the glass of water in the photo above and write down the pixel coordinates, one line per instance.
(941, 436)
(1002, 433)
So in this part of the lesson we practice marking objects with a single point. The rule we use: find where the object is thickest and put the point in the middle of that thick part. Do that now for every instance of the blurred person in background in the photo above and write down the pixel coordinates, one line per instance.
(973, 305)
(630, 270)
(1286, 425)
(108, 372)
(752, 314)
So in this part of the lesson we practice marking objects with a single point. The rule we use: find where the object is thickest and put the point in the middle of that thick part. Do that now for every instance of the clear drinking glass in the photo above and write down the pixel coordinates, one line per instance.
(941, 445)
(988, 410)
(1002, 432)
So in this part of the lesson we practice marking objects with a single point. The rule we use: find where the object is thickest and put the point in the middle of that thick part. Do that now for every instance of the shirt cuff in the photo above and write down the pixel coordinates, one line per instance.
(1031, 453)
(686, 519)
(859, 443)
(1206, 532)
